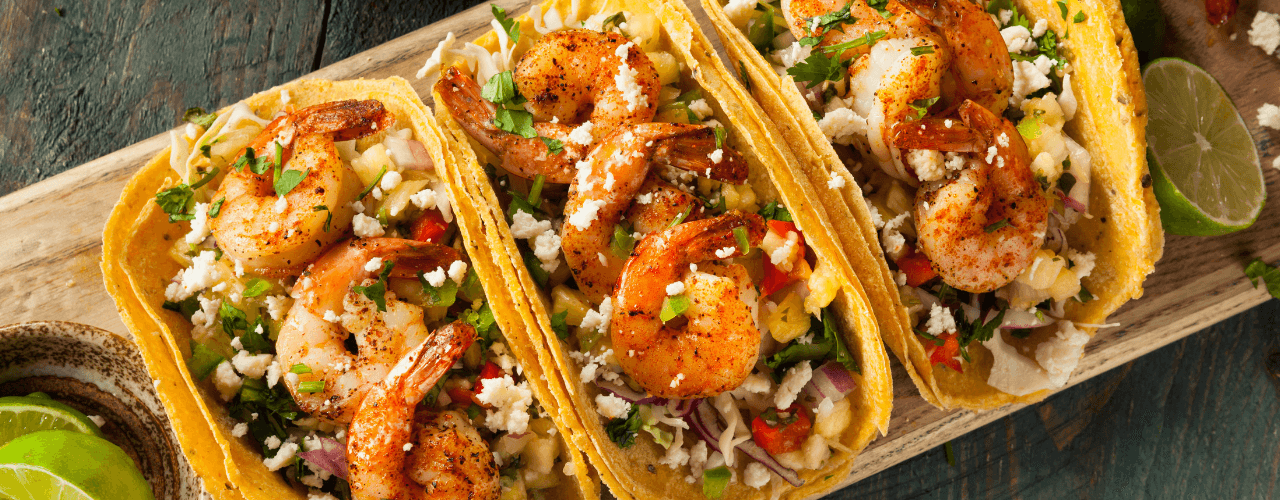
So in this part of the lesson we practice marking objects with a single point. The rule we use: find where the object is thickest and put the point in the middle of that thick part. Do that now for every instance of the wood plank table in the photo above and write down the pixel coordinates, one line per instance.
(1193, 417)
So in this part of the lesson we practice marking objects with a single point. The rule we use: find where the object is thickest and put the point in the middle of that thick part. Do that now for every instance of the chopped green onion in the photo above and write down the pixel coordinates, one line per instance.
(374, 184)
(740, 234)
(311, 386)
(300, 369)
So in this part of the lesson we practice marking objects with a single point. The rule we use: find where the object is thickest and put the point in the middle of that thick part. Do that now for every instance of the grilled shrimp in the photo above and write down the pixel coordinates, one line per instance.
(397, 451)
(569, 77)
(966, 59)
(717, 346)
(981, 66)
(265, 233)
(329, 310)
(611, 178)
(981, 229)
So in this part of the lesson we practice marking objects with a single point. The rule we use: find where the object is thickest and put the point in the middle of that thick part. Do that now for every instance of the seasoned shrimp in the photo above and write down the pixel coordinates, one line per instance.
(982, 229)
(659, 203)
(329, 310)
(716, 348)
(611, 179)
(397, 451)
(981, 66)
(888, 76)
(264, 233)
(568, 77)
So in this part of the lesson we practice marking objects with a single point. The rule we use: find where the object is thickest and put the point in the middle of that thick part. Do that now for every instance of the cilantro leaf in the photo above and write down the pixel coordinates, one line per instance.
(622, 243)
(1062, 7)
(174, 201)
(818, 68)
(215, 208)
(203, 360)
(775, 211)
(500, 88)
(186, 308)
(199, 117)
(438, 296)
(288, 180)
(615, 20)
(622, 431)
(508, 25)
(255, 342)
(233, 319)
(328, 218)
(559, 326)
(827, 21)
(554, 146)
(1270, 274)
(256, 287)
(516, 121)
(921, 106)
(1080, 18)
(377, 292)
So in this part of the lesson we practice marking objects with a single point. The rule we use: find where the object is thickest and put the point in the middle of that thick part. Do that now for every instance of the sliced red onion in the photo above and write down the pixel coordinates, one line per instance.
(409, 154)
(812, 96)
(831, 380)
(1072, 203)
(332, 457)
(705, 422)
(684, 407)
(1015, 319)
(629, 395)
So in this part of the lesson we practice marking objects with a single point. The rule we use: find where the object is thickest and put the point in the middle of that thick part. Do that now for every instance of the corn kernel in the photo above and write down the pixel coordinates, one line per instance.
(789, 320)
(564, 298)
(834, 423)
(665, 64)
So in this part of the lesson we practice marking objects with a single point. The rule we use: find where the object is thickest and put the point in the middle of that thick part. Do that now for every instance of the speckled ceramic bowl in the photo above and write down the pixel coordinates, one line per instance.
(99, 373)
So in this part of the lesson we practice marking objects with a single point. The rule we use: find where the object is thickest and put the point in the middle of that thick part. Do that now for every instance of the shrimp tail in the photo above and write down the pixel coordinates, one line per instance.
(346, 120)
(526, 157)
(695, 151)
(983, 70)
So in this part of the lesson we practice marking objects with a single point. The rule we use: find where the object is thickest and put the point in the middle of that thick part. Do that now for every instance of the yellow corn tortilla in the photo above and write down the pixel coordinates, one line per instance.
(136, 269)
(1124, 232)
(634, 472)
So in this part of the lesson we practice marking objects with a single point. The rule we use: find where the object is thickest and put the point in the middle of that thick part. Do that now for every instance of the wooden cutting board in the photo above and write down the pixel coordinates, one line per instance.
(49, 256)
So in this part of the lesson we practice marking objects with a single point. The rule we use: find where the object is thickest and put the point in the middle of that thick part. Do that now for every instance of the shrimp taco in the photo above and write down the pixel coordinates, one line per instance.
(710, 337)
(986, 170)
(300, 284)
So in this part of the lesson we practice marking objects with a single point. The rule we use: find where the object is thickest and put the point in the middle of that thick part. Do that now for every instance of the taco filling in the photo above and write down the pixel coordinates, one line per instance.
(335, 314)
(957, 143)
(683, 292)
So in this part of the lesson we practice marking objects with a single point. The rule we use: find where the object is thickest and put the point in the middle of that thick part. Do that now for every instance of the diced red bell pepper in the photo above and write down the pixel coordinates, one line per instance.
(774, 278)
(947, 352)
(430, 226)
(490, 370)
(916, 266)
(782, 438)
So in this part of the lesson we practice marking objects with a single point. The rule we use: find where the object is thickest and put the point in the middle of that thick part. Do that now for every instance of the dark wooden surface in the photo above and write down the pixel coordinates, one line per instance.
(1197, 419)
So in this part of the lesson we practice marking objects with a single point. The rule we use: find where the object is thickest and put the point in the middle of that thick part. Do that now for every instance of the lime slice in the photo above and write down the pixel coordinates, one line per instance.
(1203, 160)
(21, 415)
(68, 465)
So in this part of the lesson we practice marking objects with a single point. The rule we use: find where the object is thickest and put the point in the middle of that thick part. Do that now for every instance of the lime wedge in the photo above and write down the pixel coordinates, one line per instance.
(68, 465)
(1203, 160)
(21, 415)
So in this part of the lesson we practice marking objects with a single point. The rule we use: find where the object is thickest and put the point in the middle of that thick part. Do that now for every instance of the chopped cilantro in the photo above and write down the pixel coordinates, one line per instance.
(438, 296)
(377, 292)
(622, 242)
(622, 431)
(1084, 295)
(255, 342)
(680, 218)
(1080, 18)
(290, 179)
(818, 68)
(775, 211)
(1062, 7)
(555, 146)
(256, 287)
(515, 121)
(233, 319)
(997, 225)
(615, 20)
(559, 326)
(199, 117)
(328, 219)
(186, 308)
(508, 25)
(1270, 274)
(762, 32)
(921, 106)
(833, 20)
(1066, 182)
(203, 361)
(534, 265)
(500, 88)
(174, 201)
(215, 208)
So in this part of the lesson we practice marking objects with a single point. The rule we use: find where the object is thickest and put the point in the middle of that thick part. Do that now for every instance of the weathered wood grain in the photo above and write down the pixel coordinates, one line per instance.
(1197, 419)
(48, 264)
(106, 74)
